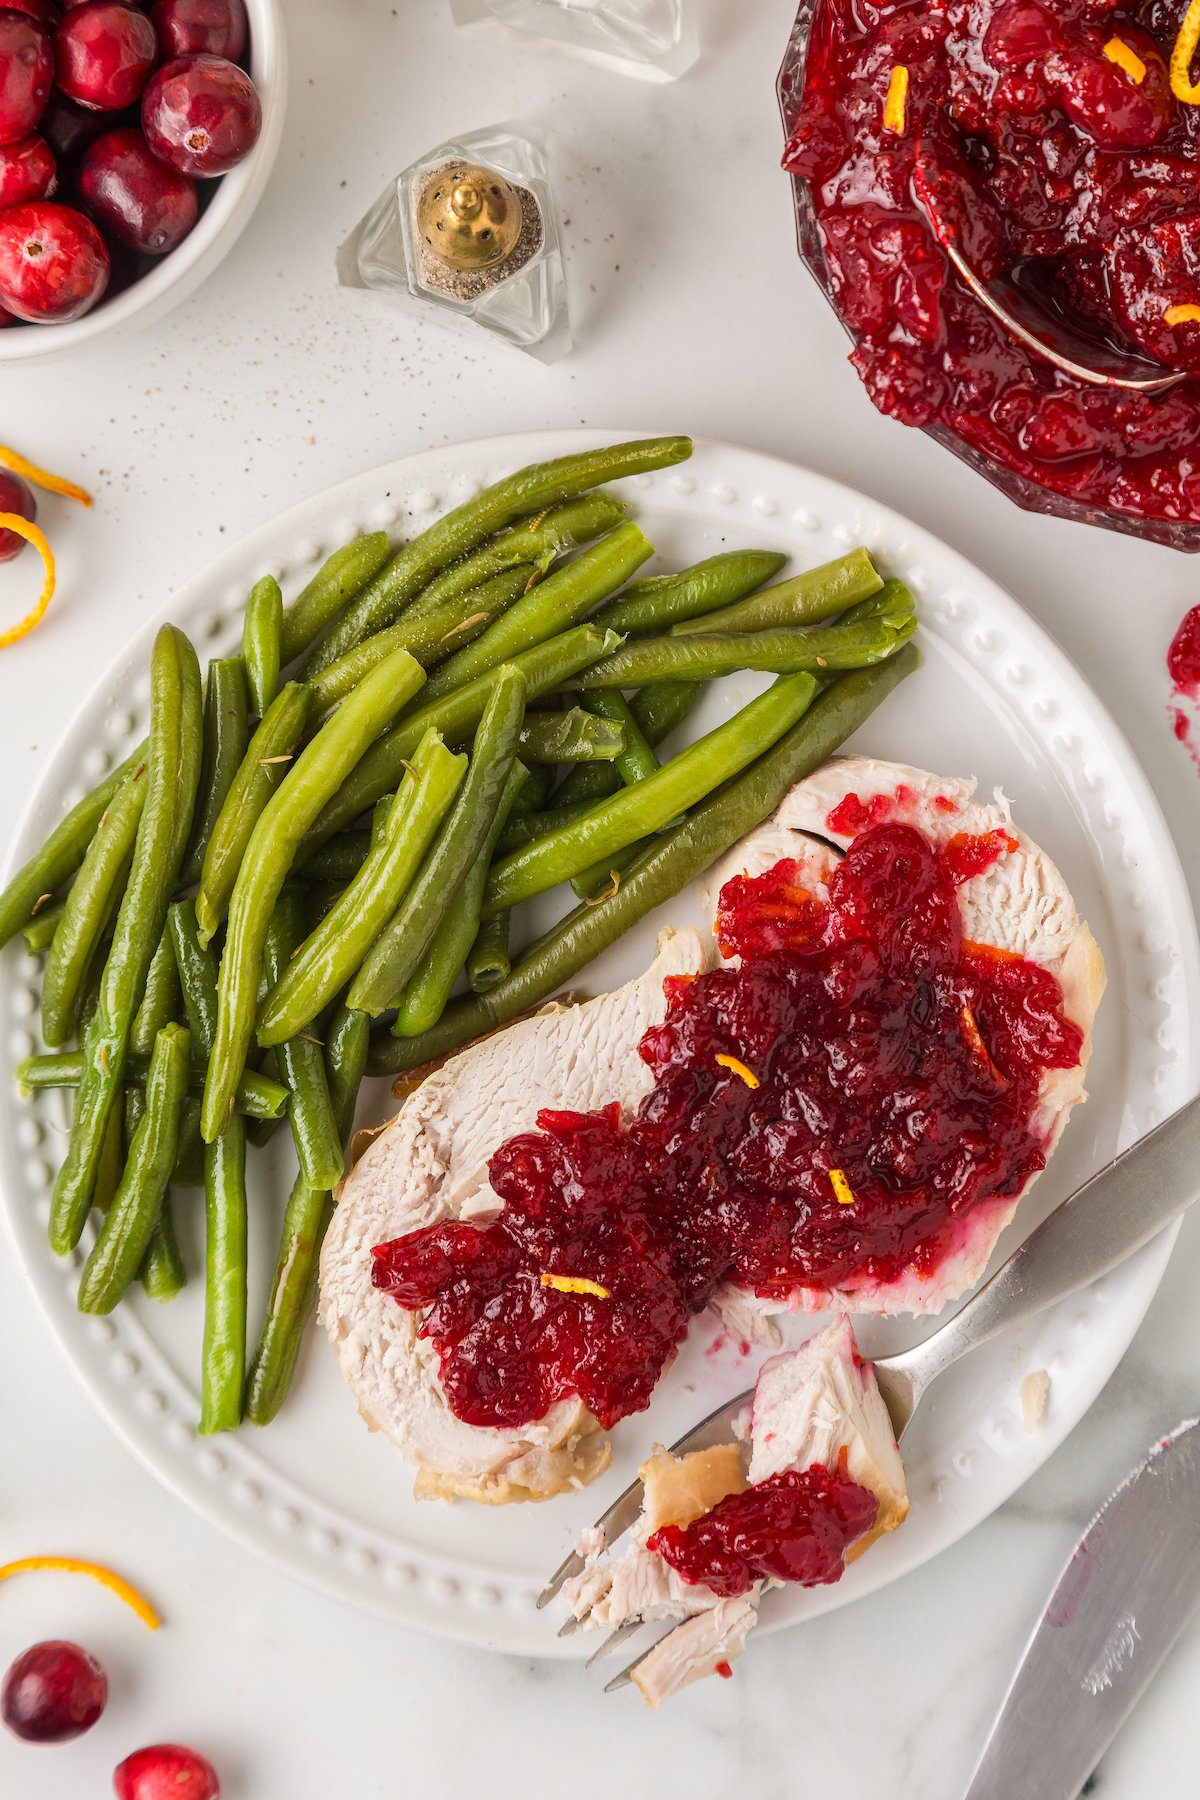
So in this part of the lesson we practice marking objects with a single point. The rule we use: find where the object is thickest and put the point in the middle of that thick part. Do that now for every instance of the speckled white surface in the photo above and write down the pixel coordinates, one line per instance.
(268, 384)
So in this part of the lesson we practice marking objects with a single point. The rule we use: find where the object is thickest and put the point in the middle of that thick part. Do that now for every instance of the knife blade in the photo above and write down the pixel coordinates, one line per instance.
(1119, 1605)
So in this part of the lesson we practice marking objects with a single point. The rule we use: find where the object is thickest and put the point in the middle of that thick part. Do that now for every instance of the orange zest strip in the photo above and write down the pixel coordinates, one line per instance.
(574, 1284)
(974, 1038)
(71, 1565)
(992, 952)
(739, 1069)
(1181, 315)
(1182, 85)
(35, 536)
(54, 484)
(843, 1193)
(897, 97)
(1127, 60)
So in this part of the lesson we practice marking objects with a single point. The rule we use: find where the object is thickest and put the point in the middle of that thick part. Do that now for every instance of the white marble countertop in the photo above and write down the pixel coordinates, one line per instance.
(691, 313)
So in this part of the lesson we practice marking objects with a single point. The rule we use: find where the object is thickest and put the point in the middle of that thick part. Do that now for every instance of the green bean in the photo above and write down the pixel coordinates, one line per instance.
(657, 710)
(162, 997)
(663, 869)
(267, 760)
(226, 738)
(311, 783)
(602, 879)
(39, 933)
(428, 989)
(562, 600)
(172, 776)
(536, 791)
(659, 600)
(526, 828)
(540, 540)
(61, 854)
(398, 950)
(574, 736)
(89, 906)
(197, 966)
(458, 532)
(456, 717)
(189, 1158)
(127, 1226)
(636, 763)
(488, 960)
(806, 599)
(784, 651)
(339, 580)
(333, 953)
(430, 638)
(310, 1111)
(162, 1273)
(613, 825)
(262, 635)
(637, 760)
(258, 1096)
(338, 860)
(305, 1222)
(111, 1161)
(223, 1357)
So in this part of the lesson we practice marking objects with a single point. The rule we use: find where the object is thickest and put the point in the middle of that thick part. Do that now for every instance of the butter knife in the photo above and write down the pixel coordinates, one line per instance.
(1127, 1592)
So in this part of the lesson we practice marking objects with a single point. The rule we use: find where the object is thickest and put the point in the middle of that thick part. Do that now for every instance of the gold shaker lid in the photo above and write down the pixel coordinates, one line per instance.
(469, 217)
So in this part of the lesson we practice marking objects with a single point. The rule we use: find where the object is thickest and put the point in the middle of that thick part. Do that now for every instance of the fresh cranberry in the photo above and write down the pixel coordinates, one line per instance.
(166, 1772)
(27, 171)
(104, 52)
(195, 27)
(26, 73)
(16, 496)
(44, 11)
(201, 114)
(69, 128)
(53, 263)
(53, 1692)
(137, 199)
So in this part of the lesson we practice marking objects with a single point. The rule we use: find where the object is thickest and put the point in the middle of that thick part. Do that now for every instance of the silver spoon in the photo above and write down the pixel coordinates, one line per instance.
(1042, 332)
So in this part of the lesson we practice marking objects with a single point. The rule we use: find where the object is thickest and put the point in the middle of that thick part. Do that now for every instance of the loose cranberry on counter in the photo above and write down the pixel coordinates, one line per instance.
(27, 171)
(53, 1692)
(104, 52)
(134, 197)
(16, 496)
(166, 1772)
(201, 114)
(53, 263)
(193, 27)
(26, 73)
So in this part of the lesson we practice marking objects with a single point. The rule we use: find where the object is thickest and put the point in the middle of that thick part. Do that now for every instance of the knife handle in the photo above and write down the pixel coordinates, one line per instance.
(1107, 1219)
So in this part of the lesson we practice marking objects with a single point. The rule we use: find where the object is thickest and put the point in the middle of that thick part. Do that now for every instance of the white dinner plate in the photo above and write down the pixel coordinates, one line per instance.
(319, 1495)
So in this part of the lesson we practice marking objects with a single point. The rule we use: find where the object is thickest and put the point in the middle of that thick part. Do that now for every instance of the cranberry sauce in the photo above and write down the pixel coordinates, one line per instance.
(795, 1526)
(1048, 135)
(822, 1112)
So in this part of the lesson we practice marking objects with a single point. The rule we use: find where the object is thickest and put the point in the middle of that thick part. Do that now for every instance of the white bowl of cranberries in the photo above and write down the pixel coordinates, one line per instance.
(136, 137)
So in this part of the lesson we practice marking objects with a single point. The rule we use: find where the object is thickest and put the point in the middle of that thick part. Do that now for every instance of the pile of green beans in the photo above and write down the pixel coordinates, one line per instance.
(340, 825)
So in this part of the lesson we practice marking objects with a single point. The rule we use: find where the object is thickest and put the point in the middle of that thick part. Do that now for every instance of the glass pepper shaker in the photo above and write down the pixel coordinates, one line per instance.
(470, 232)
(656, 39)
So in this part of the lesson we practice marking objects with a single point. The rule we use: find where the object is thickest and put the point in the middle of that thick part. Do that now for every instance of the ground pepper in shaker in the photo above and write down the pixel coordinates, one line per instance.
(470, 231)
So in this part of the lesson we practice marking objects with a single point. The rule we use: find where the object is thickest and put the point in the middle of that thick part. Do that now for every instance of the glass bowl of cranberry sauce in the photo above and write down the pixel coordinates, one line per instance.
(1067, 161)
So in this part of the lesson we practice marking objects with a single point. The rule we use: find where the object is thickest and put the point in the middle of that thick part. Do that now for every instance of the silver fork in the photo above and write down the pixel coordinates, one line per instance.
(1107, 1219)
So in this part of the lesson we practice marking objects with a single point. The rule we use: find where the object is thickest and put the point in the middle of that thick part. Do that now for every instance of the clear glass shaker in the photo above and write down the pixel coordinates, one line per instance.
(470, 231)
(652, 38)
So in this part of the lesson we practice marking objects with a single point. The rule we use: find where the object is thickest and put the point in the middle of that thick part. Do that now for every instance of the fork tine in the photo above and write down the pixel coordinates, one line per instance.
(614, 1640)
(573, 1565)
(570, 1626)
